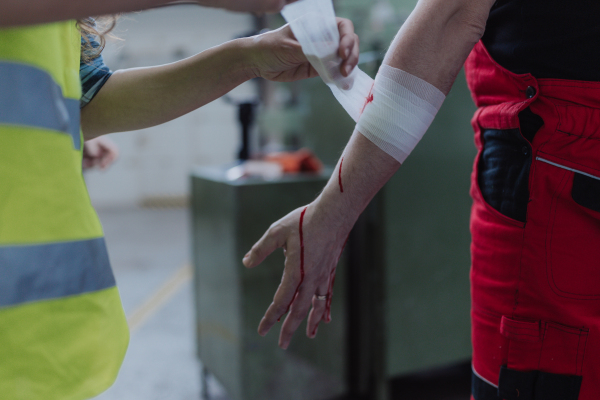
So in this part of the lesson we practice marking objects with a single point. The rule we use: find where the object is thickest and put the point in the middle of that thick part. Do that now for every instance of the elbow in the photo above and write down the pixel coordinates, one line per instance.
(470, 17)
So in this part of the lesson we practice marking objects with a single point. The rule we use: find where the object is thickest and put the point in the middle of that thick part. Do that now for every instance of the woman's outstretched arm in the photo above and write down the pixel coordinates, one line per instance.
(26, 12)
(142, 97)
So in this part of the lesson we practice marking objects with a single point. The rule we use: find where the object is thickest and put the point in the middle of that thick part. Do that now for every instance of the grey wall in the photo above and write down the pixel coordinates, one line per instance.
(155, 162)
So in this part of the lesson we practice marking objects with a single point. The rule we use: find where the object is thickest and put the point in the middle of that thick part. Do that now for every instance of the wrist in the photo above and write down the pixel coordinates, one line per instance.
(336, 213)
(246, 50)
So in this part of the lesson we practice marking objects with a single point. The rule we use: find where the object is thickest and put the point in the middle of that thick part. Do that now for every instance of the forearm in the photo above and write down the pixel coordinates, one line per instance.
(143, 97)
(24, 12)
(359, 174)
(432, 45)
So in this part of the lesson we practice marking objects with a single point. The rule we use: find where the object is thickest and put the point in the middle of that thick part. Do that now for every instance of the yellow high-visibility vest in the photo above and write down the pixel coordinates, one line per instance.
(63, 333)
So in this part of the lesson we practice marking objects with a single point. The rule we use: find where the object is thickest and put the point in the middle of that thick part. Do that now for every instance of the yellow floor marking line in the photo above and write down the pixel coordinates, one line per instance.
(159, 298)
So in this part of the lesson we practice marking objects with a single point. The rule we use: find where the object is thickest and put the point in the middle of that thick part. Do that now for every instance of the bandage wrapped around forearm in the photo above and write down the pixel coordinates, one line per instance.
(394, 111)
(398, 111)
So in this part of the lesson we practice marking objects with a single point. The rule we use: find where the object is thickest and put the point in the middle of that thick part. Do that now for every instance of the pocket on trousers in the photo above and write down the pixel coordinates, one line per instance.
(545, 360)
(573, 232)
(503, 172)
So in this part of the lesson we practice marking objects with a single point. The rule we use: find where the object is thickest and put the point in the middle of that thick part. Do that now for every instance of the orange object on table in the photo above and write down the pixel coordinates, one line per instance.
(302, 160)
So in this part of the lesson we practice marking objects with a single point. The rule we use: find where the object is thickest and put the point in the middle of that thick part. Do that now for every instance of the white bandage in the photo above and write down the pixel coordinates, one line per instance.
(397, 108)
(399, 112)
(314, 25)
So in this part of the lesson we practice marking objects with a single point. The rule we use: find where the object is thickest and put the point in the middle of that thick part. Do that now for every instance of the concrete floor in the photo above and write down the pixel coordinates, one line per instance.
(149, 250)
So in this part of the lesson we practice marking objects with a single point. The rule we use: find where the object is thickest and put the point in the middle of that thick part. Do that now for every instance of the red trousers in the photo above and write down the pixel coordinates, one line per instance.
(535, 285)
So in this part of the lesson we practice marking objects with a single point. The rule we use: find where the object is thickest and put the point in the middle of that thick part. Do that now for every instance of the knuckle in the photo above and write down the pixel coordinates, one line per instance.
(298, 314)
(255, 250)
(313, 278)
(275, 230)
(278, 308)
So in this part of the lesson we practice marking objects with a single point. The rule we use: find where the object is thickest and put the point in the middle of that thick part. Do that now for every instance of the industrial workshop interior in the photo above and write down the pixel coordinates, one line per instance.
(179, 213)
(184, 202)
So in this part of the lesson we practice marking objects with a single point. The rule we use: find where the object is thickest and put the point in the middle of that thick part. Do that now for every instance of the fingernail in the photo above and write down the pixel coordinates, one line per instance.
(247, 255)
(346, 53)
(347, 68)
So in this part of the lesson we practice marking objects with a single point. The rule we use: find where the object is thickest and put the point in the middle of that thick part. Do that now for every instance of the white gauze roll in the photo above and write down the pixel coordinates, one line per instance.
(399, 112)
(314, 25)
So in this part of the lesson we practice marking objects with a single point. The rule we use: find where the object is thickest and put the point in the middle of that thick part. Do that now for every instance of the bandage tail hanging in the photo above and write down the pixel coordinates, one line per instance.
(315, 27)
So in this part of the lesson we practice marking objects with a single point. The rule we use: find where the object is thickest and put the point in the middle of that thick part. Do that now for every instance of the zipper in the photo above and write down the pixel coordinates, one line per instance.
(567, 168)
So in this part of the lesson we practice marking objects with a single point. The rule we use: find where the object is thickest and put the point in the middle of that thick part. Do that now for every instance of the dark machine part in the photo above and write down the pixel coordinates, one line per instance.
(247, 109)
(365, 369)
(246, 118)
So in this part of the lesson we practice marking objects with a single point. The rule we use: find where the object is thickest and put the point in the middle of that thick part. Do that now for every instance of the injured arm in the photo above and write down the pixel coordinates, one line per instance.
(431, 46)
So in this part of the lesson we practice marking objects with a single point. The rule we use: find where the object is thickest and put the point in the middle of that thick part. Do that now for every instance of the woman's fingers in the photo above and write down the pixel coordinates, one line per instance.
(349, 45)
(317, 313)
(346, 29)
(110, 152)
(298, 312)
(284, 297)
(350, 63)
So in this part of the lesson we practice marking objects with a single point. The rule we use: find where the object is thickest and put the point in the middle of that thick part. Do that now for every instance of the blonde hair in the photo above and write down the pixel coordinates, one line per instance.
(94, 28)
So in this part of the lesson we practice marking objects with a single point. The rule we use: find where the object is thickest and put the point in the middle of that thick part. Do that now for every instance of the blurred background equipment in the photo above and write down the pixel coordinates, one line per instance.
(402, 311)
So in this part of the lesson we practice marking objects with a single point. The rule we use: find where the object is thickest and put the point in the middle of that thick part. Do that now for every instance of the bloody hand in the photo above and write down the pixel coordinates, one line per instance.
(312, 246)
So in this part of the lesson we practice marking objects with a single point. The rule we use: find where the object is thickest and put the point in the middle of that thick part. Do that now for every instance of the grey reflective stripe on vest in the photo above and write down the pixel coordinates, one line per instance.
(49, 271)
(30, 97)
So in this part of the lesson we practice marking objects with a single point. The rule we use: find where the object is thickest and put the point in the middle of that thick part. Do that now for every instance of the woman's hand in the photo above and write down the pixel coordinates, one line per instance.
(99, 152)
(312, 245)
(277, 55)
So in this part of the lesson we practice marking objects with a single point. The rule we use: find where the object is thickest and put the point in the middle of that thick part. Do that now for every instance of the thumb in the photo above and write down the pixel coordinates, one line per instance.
(271, 240)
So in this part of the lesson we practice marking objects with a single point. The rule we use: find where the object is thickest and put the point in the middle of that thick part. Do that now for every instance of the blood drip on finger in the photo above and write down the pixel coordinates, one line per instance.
(329, 296)
(331, 282)
(301, 262)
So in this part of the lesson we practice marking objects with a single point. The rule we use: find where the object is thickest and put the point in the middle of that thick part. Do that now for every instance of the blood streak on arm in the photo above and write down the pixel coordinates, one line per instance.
(368, 100)
(301, 262)
(340, 176)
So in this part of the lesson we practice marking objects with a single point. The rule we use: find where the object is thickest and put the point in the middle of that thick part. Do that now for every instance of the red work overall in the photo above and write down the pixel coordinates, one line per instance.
(535, 285)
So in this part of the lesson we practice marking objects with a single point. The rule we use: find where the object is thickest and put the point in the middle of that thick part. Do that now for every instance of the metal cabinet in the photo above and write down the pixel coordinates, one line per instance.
(228, 218)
